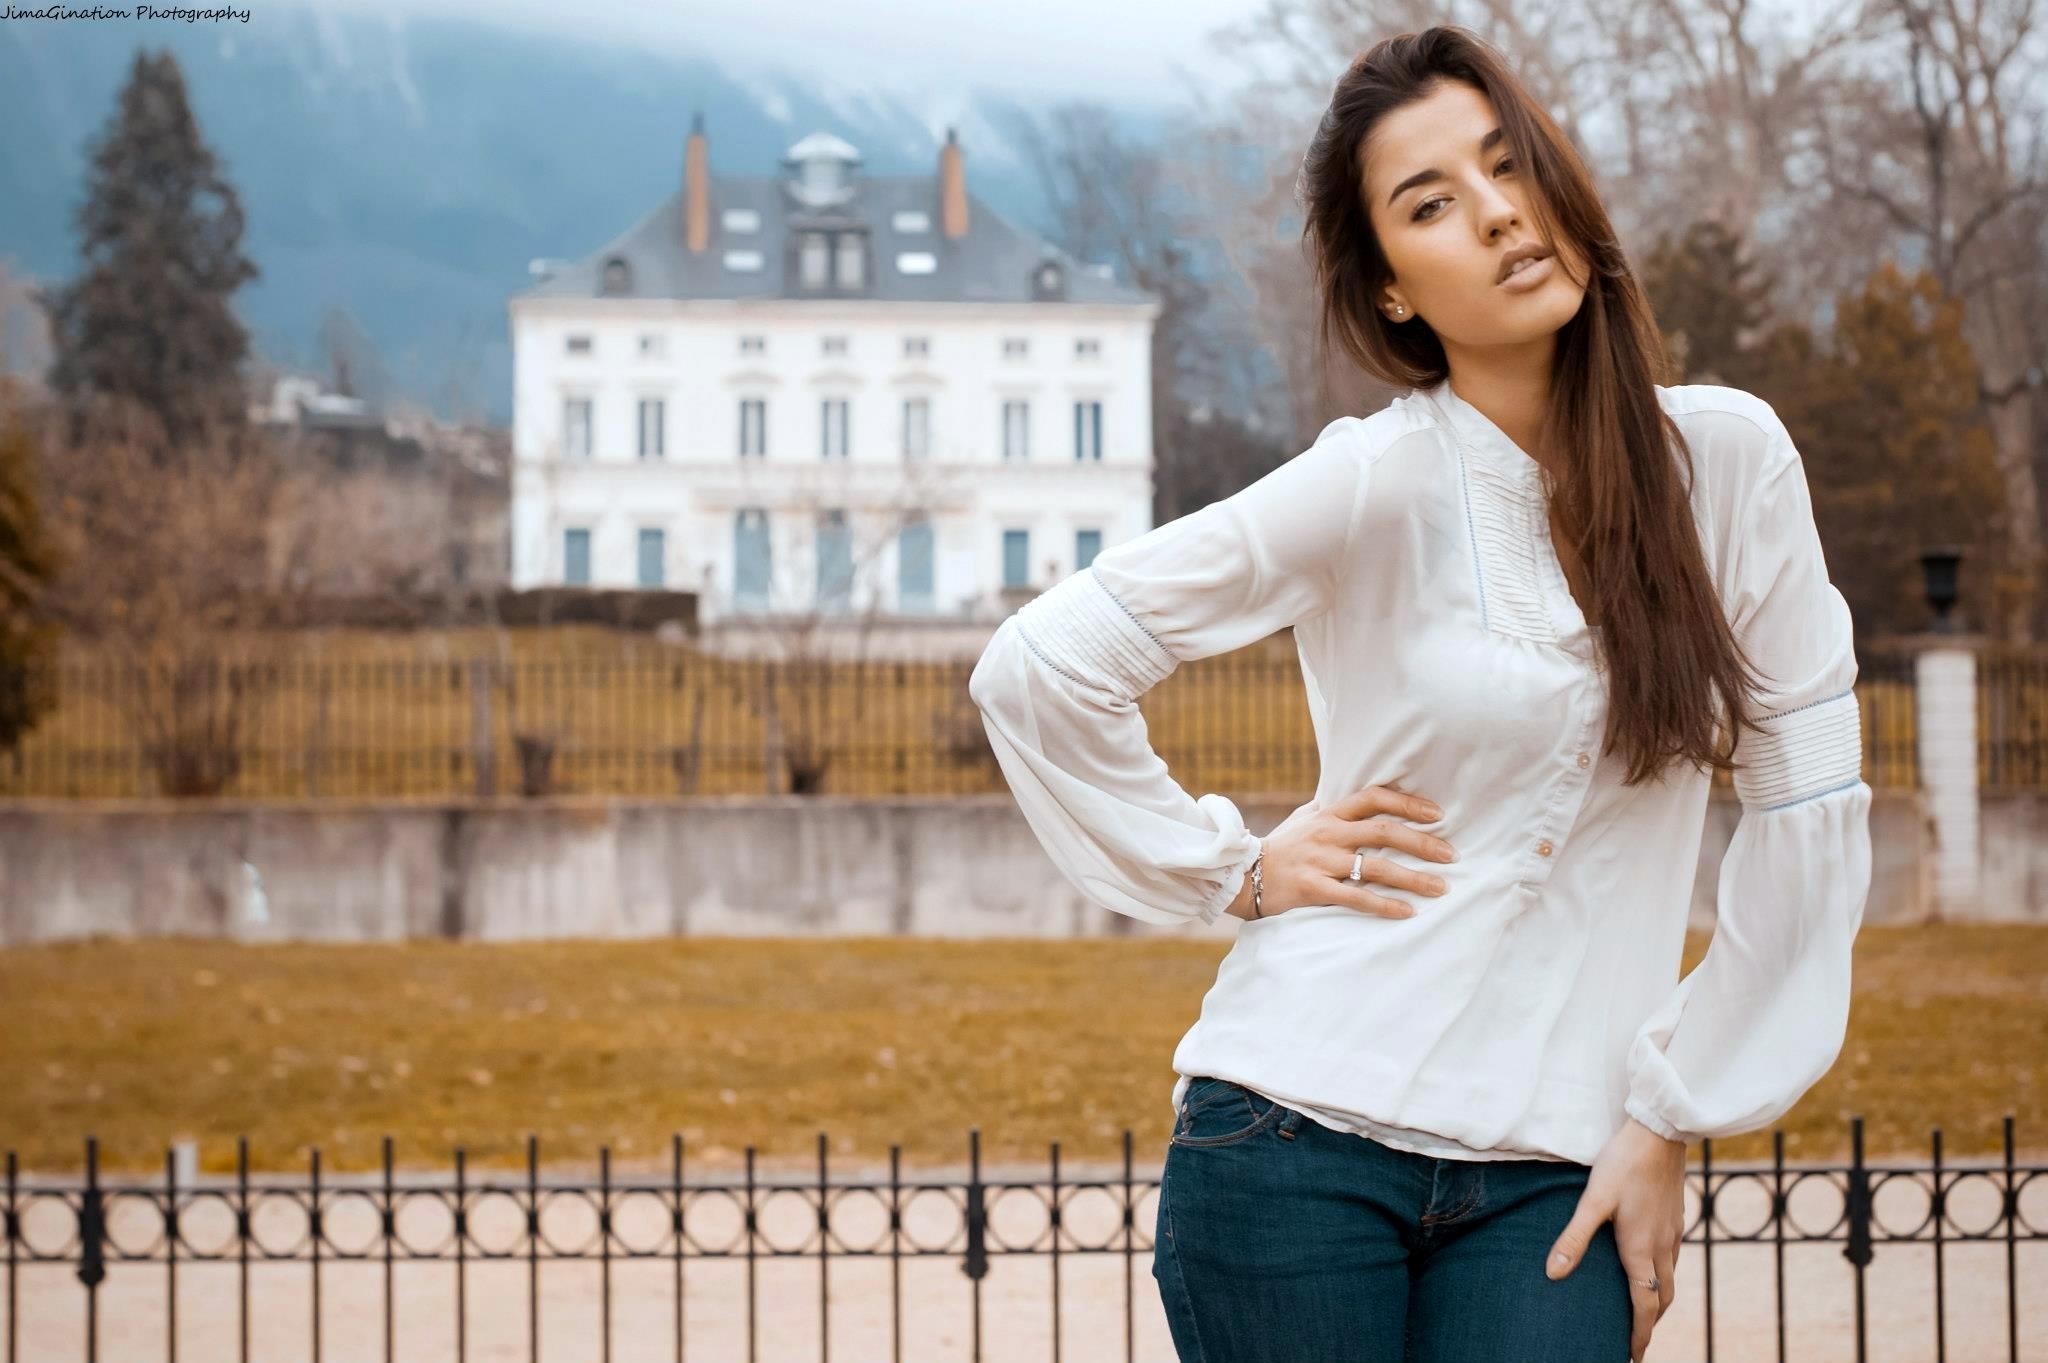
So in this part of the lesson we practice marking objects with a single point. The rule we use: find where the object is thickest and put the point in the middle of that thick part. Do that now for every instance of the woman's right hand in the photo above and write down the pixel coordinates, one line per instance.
(1307, 859)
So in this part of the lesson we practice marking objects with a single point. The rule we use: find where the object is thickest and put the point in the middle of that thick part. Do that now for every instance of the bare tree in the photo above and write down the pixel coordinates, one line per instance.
(353, 366)
(1946, 147)
(1128, 199)
(1712, 98)
(355, 533)
(1244, 168)
(187, 574)
(1313, 41)
(813, 633)
(169, 579)
(1113, 202)
(24, 328)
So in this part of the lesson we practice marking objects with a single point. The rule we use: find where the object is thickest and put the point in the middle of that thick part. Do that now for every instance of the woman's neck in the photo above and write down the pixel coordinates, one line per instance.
(1513, 396)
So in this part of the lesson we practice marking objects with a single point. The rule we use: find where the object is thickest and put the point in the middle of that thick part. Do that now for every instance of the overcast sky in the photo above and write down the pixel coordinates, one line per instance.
(1115, 48)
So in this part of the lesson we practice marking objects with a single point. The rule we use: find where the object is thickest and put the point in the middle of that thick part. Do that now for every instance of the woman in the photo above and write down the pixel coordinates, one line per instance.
(1526, 595)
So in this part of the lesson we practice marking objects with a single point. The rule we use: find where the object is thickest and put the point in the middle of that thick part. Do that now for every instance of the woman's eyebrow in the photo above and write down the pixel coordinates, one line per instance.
(1423, 177)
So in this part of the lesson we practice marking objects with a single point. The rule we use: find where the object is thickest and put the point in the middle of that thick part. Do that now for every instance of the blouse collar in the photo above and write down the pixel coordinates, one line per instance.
(1477, 433)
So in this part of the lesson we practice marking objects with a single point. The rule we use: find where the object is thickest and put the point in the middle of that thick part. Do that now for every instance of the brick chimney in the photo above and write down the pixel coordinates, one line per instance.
(952, 188)
(697, 186)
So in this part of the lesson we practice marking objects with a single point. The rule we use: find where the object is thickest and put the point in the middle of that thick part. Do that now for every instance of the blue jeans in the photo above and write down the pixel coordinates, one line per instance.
(1280, 1240)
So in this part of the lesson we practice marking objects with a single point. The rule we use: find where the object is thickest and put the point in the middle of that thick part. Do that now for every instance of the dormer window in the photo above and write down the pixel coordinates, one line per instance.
(618, 278)
(814, 258)
(916, 262)
(1048, 280)
(828, 260)
(747, 260)
(824, 179)
(852, 258)
(740, 220)
(823, 167)
(911, 220)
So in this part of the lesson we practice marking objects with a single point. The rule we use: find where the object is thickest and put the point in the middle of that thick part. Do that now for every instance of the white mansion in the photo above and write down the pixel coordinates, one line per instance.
(827, 391)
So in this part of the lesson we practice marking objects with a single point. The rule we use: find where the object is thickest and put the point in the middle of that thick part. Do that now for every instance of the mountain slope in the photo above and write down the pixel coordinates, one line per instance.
(409, 171)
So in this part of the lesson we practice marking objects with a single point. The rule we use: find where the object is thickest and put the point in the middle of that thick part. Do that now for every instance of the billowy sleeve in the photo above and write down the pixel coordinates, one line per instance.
(1761, 1018)
(1058, 683)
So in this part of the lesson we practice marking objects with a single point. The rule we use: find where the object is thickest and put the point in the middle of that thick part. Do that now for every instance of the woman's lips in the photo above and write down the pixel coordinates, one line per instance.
(1529, 276)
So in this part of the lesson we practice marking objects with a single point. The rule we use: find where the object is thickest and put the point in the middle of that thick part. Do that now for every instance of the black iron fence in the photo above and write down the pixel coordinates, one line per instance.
(1927, 1256)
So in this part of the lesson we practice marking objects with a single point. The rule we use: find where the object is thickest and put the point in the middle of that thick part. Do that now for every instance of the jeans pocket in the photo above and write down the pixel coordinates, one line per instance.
(1204, 1089)
(1224, 1113)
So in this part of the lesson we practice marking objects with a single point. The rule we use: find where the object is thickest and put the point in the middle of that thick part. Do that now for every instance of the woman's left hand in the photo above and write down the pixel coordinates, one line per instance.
(1639, 1181)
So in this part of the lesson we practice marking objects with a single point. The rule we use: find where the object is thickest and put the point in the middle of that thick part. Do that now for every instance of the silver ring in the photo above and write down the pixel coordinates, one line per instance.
(1357, 865)
(1652, 1285)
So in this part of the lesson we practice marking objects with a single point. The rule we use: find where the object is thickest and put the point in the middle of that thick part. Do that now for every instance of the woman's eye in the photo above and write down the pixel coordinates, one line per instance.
(1419, 216)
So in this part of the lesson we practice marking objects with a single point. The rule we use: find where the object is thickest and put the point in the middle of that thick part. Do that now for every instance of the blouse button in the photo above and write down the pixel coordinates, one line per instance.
(1583, 759)
(1542, 849)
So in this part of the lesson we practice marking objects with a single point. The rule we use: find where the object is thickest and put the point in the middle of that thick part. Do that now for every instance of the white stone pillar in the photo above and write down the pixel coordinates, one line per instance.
(1945, 723)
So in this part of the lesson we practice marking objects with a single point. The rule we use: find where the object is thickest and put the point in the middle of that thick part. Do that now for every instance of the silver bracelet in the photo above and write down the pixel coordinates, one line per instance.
(1258, 883)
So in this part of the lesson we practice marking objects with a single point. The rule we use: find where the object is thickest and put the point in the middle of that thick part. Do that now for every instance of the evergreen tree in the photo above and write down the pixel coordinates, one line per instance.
(1710, 300)
(1895, 453)
(149, 318)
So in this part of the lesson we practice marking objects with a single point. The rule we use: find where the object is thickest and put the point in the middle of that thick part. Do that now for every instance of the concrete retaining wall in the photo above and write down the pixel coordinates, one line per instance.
(775, 866)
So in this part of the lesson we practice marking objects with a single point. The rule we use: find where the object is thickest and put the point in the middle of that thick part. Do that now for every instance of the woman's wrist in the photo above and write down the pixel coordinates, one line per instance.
(1241, 906)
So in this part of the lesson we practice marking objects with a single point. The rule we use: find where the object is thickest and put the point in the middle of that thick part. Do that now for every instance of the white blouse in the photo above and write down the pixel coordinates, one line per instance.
(1534, 1006)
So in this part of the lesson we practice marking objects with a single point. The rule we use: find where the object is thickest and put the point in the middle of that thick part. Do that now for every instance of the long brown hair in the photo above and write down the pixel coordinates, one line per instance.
(1670, 651)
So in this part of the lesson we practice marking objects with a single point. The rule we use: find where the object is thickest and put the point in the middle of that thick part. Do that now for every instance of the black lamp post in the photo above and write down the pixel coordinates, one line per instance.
(1938, 566)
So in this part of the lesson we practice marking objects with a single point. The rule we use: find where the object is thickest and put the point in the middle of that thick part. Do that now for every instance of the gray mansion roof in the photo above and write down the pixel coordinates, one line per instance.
(995, 261)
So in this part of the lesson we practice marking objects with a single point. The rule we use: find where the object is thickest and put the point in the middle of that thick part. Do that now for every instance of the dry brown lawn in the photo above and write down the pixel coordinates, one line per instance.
(766, 1043)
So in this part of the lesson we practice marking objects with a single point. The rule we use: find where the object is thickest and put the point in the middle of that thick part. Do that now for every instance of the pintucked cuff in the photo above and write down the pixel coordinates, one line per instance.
(1813, 750)
(1080, 628)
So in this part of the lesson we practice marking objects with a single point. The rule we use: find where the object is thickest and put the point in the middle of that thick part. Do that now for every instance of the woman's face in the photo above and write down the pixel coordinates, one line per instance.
(1445, 235)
